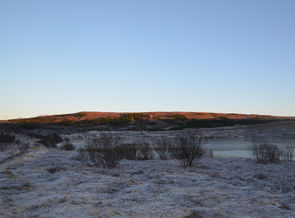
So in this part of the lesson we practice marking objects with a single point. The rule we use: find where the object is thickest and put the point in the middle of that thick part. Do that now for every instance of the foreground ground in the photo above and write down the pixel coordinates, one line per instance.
(52, 183)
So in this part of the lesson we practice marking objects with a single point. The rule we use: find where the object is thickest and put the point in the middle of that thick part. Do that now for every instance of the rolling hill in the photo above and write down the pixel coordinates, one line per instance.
(153, 121)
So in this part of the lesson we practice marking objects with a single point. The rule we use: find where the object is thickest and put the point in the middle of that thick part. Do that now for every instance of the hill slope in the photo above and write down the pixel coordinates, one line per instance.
(151, 116)
(152, 121)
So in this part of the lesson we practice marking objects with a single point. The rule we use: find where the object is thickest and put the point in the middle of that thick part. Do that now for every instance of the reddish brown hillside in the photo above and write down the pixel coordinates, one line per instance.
(90, 116)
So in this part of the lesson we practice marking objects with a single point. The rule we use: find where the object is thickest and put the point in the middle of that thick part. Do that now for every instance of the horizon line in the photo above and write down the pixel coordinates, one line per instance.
(117, 112)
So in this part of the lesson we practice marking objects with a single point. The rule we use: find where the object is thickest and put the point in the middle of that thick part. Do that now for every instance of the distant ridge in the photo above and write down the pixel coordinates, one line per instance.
(151, 116)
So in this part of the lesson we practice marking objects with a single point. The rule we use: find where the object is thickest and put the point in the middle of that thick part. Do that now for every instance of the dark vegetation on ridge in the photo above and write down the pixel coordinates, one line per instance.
(150, 121)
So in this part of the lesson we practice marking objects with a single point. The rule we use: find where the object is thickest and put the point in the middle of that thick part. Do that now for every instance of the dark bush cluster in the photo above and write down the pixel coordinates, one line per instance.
(103, 151)
(260, 176)
(189, 147)
(163, 147)
(289, 153)
(212, 123)
(67, 147)
(128, 151)
(266, 153)
(5, 141)
(6, 138)
(144, 151)
(106, 150)
(51, 140)
(133, 116)
(179, 116)
(8, 141)
(186, 148)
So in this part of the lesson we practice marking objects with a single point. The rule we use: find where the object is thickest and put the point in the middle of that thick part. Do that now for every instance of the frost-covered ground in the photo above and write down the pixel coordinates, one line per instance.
(224, 141)
(52, 183)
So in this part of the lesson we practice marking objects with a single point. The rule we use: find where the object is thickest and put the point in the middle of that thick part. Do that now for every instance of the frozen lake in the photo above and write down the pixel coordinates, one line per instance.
(224, 142)
(239, 148)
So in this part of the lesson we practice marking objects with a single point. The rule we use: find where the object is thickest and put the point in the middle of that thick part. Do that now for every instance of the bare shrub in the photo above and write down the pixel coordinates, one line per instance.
(4, 146)
(67, 147)
(289, 153)
(103, 151)
(163, 146)
(194, 214)
(211, 153)
(6, 138)
(189, 147)
(22, 146)
(128, 151)
(51, 140)
(145, 151)
(266, 153)
(84, 156)
(285, 206)
(260, 176)
(5, 141)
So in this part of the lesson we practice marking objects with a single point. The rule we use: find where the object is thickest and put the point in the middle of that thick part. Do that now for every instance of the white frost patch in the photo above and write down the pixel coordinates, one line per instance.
(53, 183)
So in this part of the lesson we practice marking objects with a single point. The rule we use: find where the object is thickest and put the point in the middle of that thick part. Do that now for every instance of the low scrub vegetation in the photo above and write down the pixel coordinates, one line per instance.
(133, 116)
(106, 150)
(22, 146)
(6, 138)
(103, 151)
(5, 141)
(260, 176)
(266, 153)
(8, 142)
(288, 153)
(51, 140)
(179, 116)
(163, 147)
(67, 147)
(145, 151)
(189, 147)
(128, 151)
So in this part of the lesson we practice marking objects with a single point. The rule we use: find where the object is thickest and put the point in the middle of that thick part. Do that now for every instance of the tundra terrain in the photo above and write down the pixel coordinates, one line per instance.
(49, 182)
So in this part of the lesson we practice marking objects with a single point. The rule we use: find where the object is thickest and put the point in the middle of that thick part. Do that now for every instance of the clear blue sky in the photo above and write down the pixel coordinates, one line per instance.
(62, 56)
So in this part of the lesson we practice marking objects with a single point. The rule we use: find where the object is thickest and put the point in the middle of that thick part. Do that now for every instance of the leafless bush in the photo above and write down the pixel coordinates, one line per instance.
(84, 156)
(211, 153)
(285, 206)
(67, 147)
(163, 145)
(289, 152)
(51, 140)
(22, 146)
(3, 146)
(5, 141)
(145, 151)
(266, 153)
(260, 176)
(6, 138)
(189, 147)
(103, 151)
(128, 151)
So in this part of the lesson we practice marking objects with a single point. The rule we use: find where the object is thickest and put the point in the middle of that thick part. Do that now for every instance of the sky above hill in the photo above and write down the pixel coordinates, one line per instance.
(63, 56)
